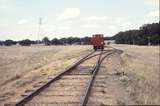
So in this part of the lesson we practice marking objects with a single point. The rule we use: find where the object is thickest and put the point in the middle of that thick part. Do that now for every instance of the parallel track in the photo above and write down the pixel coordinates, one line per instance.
(81, 81)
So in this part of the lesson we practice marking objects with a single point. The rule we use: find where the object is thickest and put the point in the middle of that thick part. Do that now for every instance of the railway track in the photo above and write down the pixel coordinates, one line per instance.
(69, 88)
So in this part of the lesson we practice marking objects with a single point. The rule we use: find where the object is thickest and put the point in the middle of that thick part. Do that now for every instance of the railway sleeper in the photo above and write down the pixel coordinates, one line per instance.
(54, 104)
(46, 99)
(61, 89)
(69, 84)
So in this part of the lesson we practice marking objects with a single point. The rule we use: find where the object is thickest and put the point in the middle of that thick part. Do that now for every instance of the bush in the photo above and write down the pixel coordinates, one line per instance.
(9, 43)
(1, 43)
(25, 42)
(46, 41)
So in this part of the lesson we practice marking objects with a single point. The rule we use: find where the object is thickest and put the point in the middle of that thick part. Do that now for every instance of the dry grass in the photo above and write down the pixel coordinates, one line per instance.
(141, 64)
(21, 67)
(18, 60)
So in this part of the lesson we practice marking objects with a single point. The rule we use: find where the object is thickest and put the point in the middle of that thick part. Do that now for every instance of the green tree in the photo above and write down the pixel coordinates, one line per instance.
(46, 41)
(25, 42)
(9, 42)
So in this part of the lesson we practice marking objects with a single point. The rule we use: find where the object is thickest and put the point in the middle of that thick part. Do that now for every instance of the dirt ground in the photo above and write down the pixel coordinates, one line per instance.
(23, 67)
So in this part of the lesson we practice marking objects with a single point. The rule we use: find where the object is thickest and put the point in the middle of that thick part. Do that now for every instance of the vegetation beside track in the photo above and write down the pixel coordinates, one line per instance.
(141, 67)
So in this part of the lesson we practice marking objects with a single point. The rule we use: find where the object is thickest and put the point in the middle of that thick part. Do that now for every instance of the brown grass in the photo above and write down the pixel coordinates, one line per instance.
(21, 67)
(143, 68)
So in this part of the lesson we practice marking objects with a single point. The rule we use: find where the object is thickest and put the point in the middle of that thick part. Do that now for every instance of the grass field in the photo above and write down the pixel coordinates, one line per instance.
(142, 65)
(21, 67)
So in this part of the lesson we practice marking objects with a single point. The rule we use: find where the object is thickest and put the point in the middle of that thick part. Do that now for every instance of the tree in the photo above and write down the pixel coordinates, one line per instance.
(25, 42)
(46, 41)
(76, 40)
(70, 40)
(1, 43)
(148, 33)
(9, 42)
(86, 40)
(63, 41)
(55, 41)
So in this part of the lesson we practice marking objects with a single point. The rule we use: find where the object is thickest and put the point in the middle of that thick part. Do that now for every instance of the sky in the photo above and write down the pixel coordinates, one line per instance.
(20, 19)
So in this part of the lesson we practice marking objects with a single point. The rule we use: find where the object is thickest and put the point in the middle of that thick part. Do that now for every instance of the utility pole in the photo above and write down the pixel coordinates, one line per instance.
(39, 29)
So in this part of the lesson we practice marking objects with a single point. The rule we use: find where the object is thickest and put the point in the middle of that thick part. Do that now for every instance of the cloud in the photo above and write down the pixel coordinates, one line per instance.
(23, 21)
(69, 13)
(7, 5)
(95, 18)
(64, 28)
(111, 27)
(118, 20)
(127, 25)
(89, 26)
(152, 16)
(153, 2)
(93, 21)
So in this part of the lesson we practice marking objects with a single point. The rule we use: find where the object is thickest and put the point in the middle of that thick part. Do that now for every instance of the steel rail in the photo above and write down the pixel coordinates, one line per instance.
(96, 69)
(36, 92)
(106, 51)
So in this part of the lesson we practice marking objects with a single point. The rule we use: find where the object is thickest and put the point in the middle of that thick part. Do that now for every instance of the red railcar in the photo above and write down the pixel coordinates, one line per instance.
(97, 41)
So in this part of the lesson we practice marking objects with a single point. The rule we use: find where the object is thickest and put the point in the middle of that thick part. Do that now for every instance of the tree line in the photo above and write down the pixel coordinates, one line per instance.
(47, 41)
(146, 34)
(66, 41)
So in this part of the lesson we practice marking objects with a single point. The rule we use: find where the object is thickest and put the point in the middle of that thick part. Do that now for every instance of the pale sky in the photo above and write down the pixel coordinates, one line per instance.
(77, 18)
